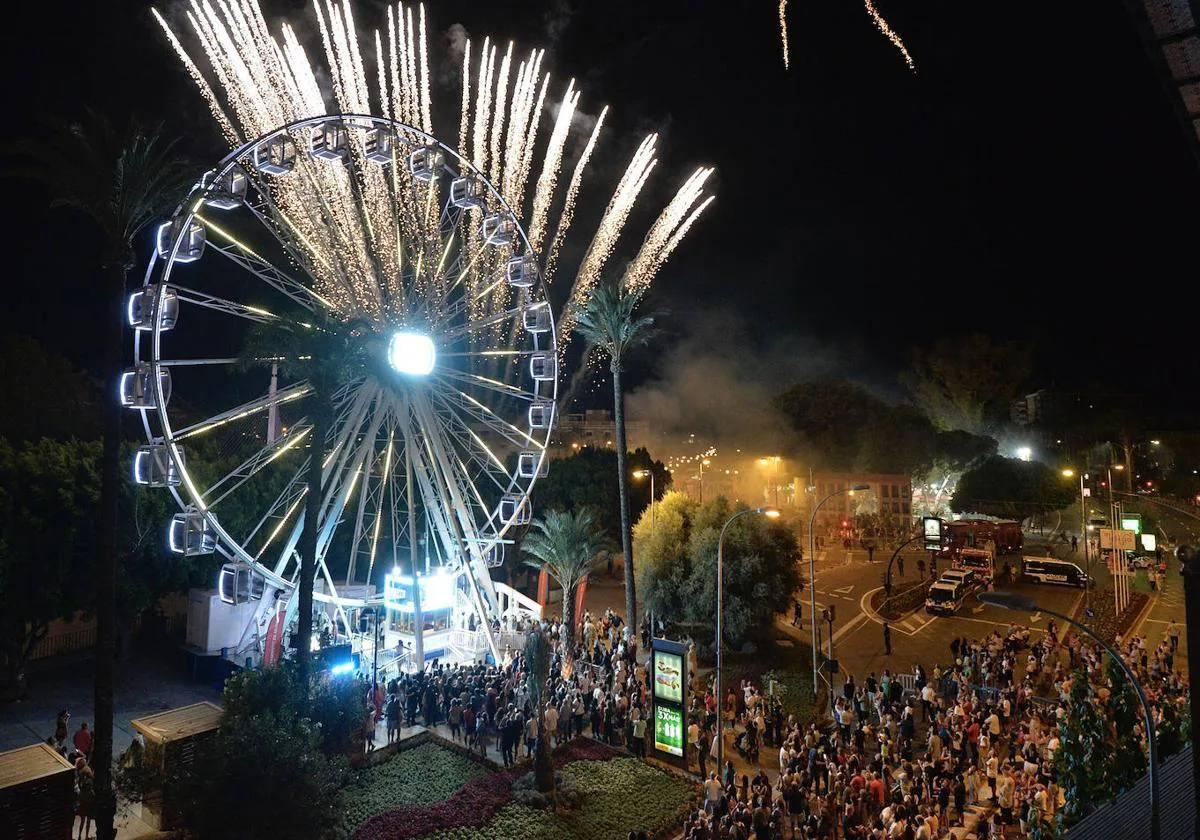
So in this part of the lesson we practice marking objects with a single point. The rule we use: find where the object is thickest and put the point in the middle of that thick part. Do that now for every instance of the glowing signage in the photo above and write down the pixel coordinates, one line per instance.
(437, 591)
(668, 730)
(668, 676)
(933, 533)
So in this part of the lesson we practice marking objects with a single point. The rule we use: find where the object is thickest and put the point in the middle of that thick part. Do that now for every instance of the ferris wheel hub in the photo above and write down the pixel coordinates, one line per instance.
(411, 353)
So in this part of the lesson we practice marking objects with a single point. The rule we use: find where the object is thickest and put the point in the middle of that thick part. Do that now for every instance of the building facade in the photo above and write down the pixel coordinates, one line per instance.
(888, 500)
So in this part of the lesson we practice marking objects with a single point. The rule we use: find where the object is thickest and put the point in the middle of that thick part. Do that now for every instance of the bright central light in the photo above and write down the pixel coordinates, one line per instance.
(411, 353)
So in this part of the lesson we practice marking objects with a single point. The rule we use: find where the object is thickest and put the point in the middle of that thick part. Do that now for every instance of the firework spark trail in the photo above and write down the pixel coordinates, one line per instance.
(495, 167)
(464, 119)
(783, 31)
(607, 233)
(568, 212)
(426, 106)
(206, 91)
(354, 229)
(651, 255)
(889, 33)
(544, 192)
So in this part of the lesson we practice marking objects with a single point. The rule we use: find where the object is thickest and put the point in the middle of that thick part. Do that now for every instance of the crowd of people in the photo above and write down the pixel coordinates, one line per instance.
(600, 692)
(971, 743)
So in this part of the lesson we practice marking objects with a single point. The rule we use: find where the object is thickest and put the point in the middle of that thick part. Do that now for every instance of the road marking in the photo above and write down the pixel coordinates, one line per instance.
(1035, 618)
(1157, 621)
(844, 590)
(848, 626)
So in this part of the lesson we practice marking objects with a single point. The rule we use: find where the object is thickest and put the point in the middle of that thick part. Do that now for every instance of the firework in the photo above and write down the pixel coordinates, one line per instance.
(783, 31)
(889, 33)
(379, 231)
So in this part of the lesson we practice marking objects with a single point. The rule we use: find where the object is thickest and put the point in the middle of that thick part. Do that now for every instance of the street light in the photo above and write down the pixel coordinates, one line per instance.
(772, 513)
(812, 571)
(704, 463)
(772, 462)
(1020, 603)
(643, 474)
(1087, 562)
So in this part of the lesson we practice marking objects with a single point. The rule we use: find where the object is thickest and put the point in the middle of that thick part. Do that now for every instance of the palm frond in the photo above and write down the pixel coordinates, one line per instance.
(565, 543)
(607, 320)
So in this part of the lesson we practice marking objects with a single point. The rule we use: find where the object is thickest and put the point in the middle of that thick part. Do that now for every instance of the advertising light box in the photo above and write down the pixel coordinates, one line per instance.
(668, 730)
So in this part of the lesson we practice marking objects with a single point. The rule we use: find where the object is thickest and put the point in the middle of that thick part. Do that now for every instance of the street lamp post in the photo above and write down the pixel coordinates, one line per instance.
(766, 511)
(644, 474)
(1119, 599)
(1013, 601)
(812, 572)
(1083, 535)
(703, 463)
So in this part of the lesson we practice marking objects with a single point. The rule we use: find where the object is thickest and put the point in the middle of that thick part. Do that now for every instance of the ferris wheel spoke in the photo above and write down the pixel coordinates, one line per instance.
(452, 429)
(231, 360)
(257, 462)
(229, 307)
(457, 425)
(485, 415)
(241, 255)
(282, 509)
(487, 384)
(479, 324)
(246, 409)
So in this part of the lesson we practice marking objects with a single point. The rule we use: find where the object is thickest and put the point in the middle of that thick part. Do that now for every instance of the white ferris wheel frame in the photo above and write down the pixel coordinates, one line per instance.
(456, 523)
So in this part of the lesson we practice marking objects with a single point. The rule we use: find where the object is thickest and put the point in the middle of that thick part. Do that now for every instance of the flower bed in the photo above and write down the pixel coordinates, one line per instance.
(620, 795)
(425, 774)
(618, 791)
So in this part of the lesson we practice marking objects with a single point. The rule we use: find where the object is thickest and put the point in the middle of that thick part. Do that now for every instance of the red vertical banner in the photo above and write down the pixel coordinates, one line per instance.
(579, 594)
(543, 587)
(273, 644)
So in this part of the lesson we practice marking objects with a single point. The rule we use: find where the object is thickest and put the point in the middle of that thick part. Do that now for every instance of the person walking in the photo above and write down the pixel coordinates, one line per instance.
(921, 568)
(900, 564)
(887, 639)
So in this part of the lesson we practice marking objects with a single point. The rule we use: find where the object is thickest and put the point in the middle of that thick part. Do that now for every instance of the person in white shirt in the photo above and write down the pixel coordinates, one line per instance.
(712, 792)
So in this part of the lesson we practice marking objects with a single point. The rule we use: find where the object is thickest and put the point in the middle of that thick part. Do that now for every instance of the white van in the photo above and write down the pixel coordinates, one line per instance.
(944, 598)
(1052, 571)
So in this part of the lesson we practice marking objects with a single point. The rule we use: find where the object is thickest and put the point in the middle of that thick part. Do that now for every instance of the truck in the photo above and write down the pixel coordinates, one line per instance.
(1006, 537)
(981, 561)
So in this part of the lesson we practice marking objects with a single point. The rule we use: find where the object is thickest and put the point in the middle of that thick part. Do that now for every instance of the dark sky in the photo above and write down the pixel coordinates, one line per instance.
(1029, 180)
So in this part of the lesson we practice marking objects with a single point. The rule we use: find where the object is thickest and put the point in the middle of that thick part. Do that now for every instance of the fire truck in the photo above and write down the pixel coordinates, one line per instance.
(988, 535)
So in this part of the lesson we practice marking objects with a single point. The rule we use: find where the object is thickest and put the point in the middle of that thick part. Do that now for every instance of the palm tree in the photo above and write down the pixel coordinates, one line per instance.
(121, 181)
(537, 672)
(607, 321)
(565, 544)
(326, 352)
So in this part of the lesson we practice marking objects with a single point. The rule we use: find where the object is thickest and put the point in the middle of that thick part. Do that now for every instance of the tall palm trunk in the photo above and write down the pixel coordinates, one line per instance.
(106, 550)
(568, 615)
(623, 492)
(308, 543)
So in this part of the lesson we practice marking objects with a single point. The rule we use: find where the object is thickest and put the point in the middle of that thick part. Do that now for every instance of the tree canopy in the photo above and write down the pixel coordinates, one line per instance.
(967, 382)
(1011, 488)
(675, 553)
(838, 425)
(588, 479)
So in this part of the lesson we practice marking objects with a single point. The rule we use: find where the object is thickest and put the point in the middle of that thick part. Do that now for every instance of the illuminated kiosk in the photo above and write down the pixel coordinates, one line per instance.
(443, 600)
(435, 428)
(669, 674)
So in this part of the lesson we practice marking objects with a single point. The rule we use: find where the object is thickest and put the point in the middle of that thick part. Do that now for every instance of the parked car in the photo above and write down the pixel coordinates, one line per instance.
(1141, 561)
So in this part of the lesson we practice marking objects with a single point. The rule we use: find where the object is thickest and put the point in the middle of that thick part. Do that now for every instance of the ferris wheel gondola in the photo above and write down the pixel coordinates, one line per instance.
(367, 222)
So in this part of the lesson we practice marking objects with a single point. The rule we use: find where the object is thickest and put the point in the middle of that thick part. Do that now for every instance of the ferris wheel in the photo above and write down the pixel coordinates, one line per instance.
(365, 226)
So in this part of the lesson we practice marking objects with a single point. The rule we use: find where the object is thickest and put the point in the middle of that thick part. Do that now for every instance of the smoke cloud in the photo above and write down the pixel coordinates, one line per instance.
(718, 382)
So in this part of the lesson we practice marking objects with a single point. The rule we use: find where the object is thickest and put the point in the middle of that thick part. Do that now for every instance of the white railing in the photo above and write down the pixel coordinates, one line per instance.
(515, 604)
(468, 641)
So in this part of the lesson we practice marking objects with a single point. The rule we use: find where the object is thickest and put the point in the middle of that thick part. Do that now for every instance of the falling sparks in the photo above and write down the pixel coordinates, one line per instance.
(889, 33)
(369, 236)
(783, 31)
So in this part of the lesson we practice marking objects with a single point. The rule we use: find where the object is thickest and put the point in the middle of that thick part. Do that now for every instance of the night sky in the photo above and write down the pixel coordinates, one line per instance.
(1028, 181)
